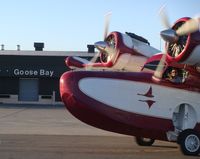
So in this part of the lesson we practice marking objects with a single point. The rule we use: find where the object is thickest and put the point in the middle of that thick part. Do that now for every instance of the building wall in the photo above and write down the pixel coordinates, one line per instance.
(9, 85)
(46, 87)
(21, 73)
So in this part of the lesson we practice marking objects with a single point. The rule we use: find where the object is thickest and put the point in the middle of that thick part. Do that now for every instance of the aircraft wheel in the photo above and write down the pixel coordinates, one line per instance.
(144, 141)
(189, 141)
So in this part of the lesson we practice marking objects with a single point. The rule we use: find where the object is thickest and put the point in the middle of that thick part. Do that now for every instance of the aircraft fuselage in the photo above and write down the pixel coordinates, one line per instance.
(131, 103)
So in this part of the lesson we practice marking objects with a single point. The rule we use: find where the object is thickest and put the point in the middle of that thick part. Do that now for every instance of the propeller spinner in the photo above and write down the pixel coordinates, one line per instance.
(169, 35)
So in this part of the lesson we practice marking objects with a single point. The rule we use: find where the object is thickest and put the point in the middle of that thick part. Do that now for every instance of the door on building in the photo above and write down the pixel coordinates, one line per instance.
(28, 89)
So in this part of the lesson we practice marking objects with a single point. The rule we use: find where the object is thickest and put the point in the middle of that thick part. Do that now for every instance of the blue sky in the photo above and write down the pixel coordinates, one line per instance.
(69, 25)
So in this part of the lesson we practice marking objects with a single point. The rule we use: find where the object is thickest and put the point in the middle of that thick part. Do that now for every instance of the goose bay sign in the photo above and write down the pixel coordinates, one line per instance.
(30, 72)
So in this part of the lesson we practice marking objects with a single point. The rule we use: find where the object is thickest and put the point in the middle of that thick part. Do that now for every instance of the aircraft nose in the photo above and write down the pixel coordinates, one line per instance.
(65, 86)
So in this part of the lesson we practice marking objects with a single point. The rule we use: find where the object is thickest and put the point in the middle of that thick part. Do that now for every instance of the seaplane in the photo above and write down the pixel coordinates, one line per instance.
(130, 87)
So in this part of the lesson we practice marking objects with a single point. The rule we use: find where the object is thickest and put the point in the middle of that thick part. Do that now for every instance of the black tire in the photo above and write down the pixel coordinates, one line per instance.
(141, 141)
(189, 141)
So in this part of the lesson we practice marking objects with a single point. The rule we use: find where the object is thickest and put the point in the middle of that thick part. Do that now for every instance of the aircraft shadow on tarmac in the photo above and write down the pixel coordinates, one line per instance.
(165, 146)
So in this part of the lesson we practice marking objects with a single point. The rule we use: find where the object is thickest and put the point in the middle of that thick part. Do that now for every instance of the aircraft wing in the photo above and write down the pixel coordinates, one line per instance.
(74, 62)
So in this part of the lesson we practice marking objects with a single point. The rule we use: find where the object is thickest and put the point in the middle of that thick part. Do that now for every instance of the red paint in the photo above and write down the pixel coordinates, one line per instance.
(149, 102)
(192, 41)
(148, 93)
(105, 117)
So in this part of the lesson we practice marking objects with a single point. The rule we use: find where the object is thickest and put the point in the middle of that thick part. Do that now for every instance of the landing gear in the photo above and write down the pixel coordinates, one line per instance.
(184, 120)
(189, 141)
(144, 141)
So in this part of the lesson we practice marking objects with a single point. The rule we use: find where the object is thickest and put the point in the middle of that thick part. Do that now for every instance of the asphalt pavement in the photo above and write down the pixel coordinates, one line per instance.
(51, 132)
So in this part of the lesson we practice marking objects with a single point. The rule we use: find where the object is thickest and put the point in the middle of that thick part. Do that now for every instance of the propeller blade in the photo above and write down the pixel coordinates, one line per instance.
(160, 67)
(93, 60)
(107, 23)
(189, 26)
(167, 35)
(101, 45)
(164, 17)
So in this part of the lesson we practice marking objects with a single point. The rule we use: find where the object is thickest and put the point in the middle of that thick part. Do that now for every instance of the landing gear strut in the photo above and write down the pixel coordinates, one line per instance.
(144, 141)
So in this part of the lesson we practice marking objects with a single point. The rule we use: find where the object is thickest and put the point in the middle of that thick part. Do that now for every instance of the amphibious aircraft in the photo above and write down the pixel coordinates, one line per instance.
(143, 101)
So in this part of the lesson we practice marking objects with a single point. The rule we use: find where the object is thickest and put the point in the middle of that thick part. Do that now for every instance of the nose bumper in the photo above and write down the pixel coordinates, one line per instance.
(87, 109)
(66, 90)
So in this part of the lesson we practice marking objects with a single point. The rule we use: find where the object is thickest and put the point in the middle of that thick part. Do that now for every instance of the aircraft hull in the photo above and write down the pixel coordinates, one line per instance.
(122, 102)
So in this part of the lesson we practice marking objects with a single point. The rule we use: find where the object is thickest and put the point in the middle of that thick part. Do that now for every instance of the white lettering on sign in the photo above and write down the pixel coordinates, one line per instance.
(18, 72)
(41, 72)
(46, 73)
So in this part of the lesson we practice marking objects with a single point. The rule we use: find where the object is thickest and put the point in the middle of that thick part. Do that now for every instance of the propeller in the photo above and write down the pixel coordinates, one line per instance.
(160, 67)
(104, 46)
(164, 17)
(170, 35)
(167, 35)
(93, 60)
(101, 45)
(189, 26)
(107, 23)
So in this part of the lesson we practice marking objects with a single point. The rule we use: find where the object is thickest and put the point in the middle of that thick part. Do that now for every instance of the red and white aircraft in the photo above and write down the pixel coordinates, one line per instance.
(116, 96)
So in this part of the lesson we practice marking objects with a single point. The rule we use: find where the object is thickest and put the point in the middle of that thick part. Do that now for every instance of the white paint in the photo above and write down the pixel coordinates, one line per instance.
(129, 62)
(184, 117)
(127, 40)
(123, 94)
(194, 58)
(82, 60)
(139, 46)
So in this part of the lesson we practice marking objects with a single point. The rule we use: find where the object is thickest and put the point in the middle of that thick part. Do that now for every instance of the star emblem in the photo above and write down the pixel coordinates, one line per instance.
(149, 102)
(148, 94)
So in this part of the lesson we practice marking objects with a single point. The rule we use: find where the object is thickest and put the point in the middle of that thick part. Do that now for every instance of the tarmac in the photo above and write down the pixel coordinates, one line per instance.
(51, 132)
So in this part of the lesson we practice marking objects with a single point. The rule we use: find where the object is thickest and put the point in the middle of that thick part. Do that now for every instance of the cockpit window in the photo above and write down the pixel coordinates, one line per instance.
(175, 75)
(151, 66)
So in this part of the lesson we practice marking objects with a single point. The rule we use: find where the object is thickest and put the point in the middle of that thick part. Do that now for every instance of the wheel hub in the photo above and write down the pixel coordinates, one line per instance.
(192, 143)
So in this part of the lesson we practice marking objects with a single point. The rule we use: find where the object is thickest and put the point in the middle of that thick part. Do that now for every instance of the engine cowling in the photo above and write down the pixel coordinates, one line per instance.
(187, 49)
(118, 52)
(126, 51)
(115, 42)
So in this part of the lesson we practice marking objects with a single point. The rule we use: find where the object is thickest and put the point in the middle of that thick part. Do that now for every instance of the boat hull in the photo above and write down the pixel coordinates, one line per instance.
(76, 89)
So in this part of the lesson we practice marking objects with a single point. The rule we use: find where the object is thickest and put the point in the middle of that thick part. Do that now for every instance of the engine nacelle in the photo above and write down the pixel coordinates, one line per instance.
(187, 49)
(118, 52)
(127, 51)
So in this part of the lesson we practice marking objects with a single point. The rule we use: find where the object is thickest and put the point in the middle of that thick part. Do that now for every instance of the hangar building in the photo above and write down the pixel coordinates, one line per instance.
(32, 77)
